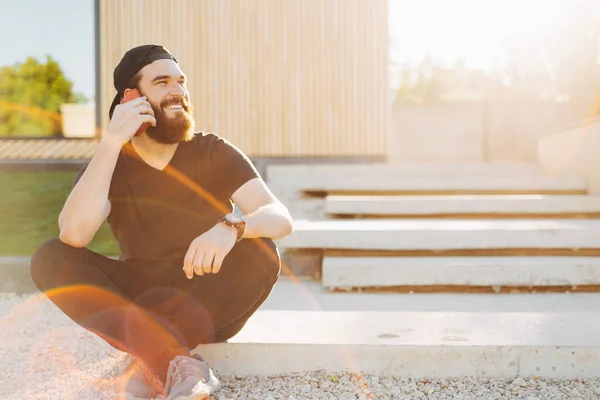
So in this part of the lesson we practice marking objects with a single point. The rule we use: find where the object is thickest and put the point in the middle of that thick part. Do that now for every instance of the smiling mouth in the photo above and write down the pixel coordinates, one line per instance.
(177, 107)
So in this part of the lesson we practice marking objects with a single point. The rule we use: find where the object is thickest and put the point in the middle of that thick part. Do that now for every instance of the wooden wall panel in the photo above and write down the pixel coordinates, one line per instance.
(279, 78)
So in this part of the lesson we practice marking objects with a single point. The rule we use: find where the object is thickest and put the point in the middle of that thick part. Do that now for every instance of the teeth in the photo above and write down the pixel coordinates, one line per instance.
(175, 107)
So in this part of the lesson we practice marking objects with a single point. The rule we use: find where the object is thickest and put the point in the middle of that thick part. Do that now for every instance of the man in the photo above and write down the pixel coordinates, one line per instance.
(191, 271)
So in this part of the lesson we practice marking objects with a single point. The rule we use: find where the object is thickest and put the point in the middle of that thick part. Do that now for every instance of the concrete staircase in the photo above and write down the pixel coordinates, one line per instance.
(445, 227)
(452, 232)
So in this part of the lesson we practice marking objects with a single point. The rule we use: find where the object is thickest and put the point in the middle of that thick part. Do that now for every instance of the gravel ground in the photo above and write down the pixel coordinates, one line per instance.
(44, 355)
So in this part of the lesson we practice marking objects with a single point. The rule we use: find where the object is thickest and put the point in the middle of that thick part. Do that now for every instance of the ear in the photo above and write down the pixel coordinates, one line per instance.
(131, 93)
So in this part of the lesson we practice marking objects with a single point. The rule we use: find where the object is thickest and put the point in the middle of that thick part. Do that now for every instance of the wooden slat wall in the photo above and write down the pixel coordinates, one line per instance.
(279, 78)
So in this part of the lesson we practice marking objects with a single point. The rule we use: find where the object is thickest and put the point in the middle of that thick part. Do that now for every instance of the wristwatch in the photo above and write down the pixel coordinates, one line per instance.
(235, 221)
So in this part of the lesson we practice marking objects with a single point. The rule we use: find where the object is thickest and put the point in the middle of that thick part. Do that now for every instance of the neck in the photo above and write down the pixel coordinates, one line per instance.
(151, 148)
(156, 155)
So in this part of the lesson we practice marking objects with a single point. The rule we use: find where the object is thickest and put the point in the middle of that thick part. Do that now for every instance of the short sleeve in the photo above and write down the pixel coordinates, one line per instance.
(231, 167)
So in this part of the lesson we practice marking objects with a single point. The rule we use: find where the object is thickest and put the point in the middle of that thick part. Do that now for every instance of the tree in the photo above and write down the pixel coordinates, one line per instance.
(421, 84)
(430, 83)
(31, 94)
(559, 63)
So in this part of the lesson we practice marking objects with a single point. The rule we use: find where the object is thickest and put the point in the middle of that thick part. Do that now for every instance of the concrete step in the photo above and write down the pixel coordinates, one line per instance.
(444, 234)
(370, 272)
(361, 178)
(310, 295)
(434, 345)
(462, 205)
(280, 171)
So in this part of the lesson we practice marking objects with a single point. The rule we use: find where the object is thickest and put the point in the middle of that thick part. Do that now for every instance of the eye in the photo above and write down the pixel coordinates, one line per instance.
(161, 82)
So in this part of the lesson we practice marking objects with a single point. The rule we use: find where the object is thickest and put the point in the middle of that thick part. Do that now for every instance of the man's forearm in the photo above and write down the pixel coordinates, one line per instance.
(272, 221)
(83, 212)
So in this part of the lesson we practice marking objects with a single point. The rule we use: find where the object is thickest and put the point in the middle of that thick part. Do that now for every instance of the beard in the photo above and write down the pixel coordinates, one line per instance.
(174, 128)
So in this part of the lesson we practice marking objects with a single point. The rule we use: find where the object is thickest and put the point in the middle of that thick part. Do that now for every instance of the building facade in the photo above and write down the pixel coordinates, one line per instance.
(279, 78)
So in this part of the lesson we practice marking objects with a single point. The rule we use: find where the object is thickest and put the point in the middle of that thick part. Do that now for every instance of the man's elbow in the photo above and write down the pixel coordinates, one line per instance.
(289, 226)
(286, 227)
(73, 237)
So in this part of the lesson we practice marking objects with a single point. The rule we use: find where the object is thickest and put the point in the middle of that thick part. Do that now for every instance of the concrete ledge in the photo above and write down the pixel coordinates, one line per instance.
(407, 168)
(458, 204)
(15, 275)
(363, 272)
(426, 178)
(42, 165)
(445, 234)
(419, 345)
(573, 151)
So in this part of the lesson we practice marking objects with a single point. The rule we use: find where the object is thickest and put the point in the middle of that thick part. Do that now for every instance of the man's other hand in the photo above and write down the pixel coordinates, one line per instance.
(207, 251)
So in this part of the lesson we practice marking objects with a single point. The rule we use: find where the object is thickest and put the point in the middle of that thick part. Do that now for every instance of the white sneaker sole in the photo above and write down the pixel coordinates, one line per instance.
(203, 396)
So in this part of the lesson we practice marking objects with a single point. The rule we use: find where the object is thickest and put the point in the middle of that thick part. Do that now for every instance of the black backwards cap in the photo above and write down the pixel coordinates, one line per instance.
(131, 63)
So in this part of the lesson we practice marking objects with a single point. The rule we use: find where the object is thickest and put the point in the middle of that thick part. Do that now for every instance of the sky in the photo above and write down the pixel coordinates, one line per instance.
(63, 29)
(445, 29)
(475, 30)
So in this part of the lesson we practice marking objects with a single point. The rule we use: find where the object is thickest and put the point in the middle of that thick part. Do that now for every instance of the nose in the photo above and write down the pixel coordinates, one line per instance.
(178, 90)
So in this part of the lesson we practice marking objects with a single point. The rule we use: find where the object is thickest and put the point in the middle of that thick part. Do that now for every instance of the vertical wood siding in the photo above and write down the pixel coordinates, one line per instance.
(279, 78)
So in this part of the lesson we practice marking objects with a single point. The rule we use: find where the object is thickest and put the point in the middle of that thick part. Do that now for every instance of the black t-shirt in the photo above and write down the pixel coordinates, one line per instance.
(156, 214)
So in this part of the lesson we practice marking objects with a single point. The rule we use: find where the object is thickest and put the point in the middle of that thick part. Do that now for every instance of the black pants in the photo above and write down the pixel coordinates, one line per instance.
(150, 309)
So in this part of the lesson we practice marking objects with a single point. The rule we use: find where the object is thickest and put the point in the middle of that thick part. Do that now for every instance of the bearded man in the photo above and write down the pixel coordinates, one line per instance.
(192, 271)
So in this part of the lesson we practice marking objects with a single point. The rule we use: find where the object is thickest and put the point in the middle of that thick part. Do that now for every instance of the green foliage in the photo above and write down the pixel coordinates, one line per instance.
(32, 202)
(31, 94)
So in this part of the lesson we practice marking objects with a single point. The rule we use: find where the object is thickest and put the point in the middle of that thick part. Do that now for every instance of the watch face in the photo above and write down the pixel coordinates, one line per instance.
(234, 219)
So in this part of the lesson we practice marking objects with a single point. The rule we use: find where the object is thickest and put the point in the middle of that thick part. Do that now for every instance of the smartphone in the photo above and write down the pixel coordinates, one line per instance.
(134, 94)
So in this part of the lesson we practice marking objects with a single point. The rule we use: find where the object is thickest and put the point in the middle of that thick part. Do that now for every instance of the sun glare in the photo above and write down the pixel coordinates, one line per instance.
(474, 30)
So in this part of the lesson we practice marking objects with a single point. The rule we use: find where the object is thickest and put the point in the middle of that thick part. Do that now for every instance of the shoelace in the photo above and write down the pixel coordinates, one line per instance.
(135, 367)
(176, 369)
(172, 375)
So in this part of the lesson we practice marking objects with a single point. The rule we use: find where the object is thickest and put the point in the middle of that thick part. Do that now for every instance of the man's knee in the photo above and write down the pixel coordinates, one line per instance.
(261, 254)
(48, 257)
(260, 250)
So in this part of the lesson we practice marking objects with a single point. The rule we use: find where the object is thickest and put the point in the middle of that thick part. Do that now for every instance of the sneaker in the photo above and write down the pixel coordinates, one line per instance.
(190, 378)
(137, 382)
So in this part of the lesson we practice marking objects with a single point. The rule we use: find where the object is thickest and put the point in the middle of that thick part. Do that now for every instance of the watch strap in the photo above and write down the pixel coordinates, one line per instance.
(240, 227)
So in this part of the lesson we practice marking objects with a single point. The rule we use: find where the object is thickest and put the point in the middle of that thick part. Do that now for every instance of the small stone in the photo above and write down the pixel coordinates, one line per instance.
(305, 388)
(519, 382)
(324, 385)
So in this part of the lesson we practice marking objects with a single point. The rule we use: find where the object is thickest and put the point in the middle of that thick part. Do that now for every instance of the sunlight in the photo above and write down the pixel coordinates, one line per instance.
(474, 30)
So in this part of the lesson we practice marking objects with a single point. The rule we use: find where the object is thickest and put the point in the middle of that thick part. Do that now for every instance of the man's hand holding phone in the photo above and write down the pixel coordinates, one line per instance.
(131, 117)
